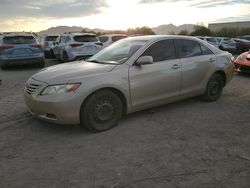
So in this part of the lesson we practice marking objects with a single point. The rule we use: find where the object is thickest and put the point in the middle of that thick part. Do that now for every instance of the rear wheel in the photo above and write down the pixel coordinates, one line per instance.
(101, 111)
(221, 48)
(52, 54)
(65, 57)
(214, 88)
(3, 66)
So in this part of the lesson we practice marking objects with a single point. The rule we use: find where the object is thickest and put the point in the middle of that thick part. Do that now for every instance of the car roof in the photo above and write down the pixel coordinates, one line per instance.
(111, 35)
(17, 34)
(154, 38)
(78, 34)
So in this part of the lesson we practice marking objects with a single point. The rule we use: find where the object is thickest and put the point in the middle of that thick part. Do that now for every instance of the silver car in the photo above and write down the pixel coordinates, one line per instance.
(132, 74)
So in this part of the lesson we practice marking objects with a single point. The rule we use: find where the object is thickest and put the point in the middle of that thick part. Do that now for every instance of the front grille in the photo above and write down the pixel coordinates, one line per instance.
(32, 88)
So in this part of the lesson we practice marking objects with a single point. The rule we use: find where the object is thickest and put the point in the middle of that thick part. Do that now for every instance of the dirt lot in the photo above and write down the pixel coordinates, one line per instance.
(185, 144)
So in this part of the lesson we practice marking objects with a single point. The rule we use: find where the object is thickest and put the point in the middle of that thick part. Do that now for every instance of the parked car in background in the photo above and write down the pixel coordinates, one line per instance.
(242, 63)
(242, 45)
(130, 75)
(47, 43)
(226, 44)
(246, 37)
(72, 46)
(210, 40)
(20, 48)
(106, 40)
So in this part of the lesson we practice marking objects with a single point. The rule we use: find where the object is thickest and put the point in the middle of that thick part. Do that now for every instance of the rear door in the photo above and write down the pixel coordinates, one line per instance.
(61, 46)
(154, 84)
(196, 61)
(56, 47)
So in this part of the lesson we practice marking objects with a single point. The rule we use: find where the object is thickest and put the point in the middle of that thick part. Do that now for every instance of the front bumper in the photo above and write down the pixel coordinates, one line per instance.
(59, 108)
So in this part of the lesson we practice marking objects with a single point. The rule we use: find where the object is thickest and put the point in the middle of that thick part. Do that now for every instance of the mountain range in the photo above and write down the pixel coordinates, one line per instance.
(160, 30)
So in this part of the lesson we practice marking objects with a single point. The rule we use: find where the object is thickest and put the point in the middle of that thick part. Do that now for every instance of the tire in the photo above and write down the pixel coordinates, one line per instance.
(101, 111)
(42, 64)
(65, 57)
(221, 48)
(3, 66)
(52, 54)
(214, 88)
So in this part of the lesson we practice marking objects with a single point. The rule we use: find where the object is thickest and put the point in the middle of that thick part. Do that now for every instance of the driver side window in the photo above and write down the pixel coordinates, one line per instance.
(162, 50)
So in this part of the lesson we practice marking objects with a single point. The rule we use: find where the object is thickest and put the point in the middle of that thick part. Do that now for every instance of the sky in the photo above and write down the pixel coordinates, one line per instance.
(31, 15)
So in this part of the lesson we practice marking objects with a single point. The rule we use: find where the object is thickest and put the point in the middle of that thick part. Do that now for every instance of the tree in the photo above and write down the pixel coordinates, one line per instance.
(140, 31)
(201, 31)
(183, 32)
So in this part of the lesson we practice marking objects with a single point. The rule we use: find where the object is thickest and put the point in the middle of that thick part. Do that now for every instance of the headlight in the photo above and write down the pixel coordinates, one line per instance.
(62, 88)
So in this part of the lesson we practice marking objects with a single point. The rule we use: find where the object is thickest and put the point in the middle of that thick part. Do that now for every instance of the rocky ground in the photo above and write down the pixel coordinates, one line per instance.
(185, 144)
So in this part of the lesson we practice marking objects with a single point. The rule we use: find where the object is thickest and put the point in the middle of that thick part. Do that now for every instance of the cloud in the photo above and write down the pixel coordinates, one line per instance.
(50, 8)
(200, 3)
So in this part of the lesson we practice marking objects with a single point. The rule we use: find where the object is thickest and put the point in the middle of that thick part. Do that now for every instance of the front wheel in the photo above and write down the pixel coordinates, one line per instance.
(42, 64)
(101, 111)
(214, 88)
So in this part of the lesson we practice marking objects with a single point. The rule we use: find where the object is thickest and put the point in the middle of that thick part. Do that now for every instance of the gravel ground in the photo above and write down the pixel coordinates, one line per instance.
(184, 144)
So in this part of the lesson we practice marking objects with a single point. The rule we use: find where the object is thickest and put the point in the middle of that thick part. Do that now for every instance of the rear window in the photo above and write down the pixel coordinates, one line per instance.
(103, 39)
(211, 40)
(85, 38)
(51, 38)
(19, 40)
(116, 38)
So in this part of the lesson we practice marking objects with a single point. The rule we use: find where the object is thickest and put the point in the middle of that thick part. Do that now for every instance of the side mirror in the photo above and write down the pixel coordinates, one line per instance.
(144, 60)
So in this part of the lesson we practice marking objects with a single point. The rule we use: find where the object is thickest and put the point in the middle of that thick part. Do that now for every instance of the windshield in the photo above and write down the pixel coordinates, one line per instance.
(85, 38)
(118, 52)
(51, 38)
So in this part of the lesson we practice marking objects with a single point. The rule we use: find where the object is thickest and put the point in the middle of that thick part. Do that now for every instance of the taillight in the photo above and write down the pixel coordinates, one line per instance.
(99, 43)
(6, 47)
(35, 45)
(75, 45)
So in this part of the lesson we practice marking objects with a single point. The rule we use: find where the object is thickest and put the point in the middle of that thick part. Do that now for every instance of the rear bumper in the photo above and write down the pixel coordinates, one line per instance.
(21, 61)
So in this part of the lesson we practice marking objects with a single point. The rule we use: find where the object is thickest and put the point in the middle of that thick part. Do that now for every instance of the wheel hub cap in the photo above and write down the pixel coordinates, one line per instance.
(104, 111)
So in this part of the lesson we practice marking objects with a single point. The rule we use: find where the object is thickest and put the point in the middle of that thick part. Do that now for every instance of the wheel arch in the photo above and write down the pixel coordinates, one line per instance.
(118, 92)
(222, 73)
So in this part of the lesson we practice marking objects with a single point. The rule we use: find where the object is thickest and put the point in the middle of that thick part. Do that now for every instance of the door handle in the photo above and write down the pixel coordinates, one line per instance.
(211, 60)
(175, 66)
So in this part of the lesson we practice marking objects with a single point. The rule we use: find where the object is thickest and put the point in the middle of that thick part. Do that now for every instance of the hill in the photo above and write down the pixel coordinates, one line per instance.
(172, 29)
(160, 30)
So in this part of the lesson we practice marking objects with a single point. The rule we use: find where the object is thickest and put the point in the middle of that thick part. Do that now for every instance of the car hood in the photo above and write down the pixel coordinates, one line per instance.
(71, 72)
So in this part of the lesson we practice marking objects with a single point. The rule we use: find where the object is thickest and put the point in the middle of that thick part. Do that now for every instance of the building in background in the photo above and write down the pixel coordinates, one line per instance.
(238, 25)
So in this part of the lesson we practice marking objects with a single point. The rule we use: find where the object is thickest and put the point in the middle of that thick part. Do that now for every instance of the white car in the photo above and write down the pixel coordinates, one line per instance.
(111, 38)
(47, 43)
(226, 44)
(73, 46)
(210, 40)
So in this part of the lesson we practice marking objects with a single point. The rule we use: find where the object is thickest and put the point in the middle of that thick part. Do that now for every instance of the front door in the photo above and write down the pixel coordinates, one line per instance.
(156, 83)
